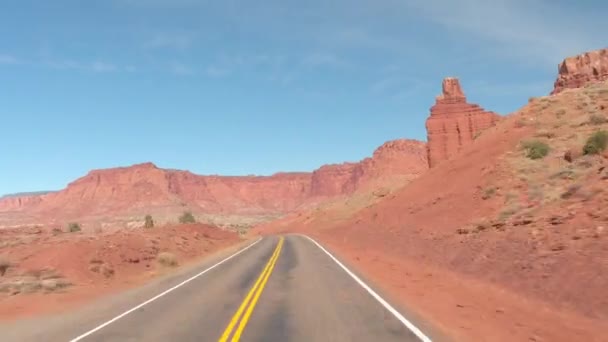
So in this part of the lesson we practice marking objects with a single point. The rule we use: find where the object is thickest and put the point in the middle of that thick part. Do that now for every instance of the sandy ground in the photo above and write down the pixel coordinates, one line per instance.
(94, 264)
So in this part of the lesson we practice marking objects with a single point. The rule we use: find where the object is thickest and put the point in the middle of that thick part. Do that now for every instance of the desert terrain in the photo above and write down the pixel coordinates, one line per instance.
(495, 229)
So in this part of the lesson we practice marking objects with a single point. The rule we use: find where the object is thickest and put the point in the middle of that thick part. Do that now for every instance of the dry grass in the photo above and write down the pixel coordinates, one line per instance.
(565, 123)
(46, 280)
(167, 259)
(5, 264)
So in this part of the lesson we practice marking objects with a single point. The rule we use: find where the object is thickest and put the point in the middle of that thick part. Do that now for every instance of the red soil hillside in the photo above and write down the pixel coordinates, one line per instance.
(493, 245)
(145, 188)
(454, 123)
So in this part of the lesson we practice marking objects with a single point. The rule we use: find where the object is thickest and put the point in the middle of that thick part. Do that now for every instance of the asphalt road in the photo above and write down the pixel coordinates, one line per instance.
(278, 289)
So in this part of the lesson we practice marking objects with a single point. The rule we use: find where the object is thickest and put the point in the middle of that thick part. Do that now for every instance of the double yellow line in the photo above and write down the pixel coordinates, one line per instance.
(246, 309)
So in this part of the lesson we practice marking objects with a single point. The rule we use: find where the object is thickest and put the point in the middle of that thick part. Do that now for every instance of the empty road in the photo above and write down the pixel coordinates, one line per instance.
(284, 288)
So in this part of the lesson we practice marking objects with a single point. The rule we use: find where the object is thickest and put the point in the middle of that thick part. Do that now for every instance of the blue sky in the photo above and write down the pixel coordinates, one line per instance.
(254, 87)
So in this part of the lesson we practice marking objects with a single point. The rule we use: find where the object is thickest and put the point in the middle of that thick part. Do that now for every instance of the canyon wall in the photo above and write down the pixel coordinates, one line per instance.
(144, 187)
(453, 122)
(583, 69)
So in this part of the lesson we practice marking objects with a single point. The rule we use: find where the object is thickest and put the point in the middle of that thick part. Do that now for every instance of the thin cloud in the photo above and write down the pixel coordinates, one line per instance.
(530, 30)
(103, 67)
(323, 59)
(8, 59)
(96, 66)
(169, 40)
(181, 69)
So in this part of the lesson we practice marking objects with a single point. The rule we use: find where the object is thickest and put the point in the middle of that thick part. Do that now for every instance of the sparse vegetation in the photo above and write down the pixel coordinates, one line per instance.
(596, 143)
(597, 119)
(74, 227)
(5, 264)
(167, 259)
(488, 193)
(560, 112)
(564, 174)
(543, 133)
(505, 214)
(535, 149)
(187, 217)
(149, 222)
(47, 280)
(571, 191)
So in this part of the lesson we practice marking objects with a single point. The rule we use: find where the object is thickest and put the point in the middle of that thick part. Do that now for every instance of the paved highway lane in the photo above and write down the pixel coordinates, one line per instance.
(278, 289)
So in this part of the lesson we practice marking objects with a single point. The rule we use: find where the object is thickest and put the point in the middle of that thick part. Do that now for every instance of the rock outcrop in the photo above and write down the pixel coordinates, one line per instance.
(454, 123)
(578, 71)
(145, 188)
(18, 203)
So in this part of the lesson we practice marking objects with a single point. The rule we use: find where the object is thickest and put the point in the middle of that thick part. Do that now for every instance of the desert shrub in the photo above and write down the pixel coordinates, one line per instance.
(187, 217)
(536, 149)
(543, 133)
(488, 193)
(149, 222)
(596, 143)
(560, 112)
(5, 264)
(74, 227)
(597, 119)
(167, 259)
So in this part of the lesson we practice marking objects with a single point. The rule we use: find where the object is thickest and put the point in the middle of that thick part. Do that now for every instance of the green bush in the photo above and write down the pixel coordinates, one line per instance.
(74, 227)
(149, 222)
(187, 217)
(536, 149)
(596, 143)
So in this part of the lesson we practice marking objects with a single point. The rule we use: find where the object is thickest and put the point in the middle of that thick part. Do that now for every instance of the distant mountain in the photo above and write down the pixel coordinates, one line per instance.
(25, 194)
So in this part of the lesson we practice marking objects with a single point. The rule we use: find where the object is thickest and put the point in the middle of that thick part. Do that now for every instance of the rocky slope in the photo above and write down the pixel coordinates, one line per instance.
(578, 71)
(145, 188)
(495, 243)
(454, 123)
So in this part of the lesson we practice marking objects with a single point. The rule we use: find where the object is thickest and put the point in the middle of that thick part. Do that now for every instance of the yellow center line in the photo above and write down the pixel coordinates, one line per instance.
(245, 319)
(255, 293)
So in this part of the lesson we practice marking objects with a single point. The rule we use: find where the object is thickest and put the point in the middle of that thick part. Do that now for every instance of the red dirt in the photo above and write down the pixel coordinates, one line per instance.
(81, 258)
(497, 230)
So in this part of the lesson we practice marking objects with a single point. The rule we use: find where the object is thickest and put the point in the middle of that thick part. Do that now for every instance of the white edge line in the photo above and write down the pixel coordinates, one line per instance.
(161, 294)
(376, 296)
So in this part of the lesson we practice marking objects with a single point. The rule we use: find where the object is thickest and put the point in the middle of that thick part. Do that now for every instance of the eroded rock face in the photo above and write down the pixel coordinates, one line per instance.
(19, 203)
(578, 71)
(144, 187)
(454, 123)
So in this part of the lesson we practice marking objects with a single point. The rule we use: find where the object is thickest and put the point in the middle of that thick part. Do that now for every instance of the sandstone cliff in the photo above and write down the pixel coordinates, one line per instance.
(578, 71)
(146, 188)
(453, 122)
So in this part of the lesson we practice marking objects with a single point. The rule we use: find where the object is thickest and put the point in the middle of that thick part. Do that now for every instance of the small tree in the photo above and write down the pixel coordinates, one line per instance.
(74, 227)
(187, 217)
(149, 222)
(596, 143)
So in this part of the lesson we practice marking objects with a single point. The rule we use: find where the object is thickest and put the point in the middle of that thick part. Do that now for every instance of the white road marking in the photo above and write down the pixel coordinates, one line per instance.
(376, 296)
(161, 294)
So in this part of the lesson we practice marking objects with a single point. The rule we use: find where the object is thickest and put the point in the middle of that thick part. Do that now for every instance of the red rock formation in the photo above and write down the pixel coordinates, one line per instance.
(18, 203)
(454, 122)
(146, 188)
(578, 71)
